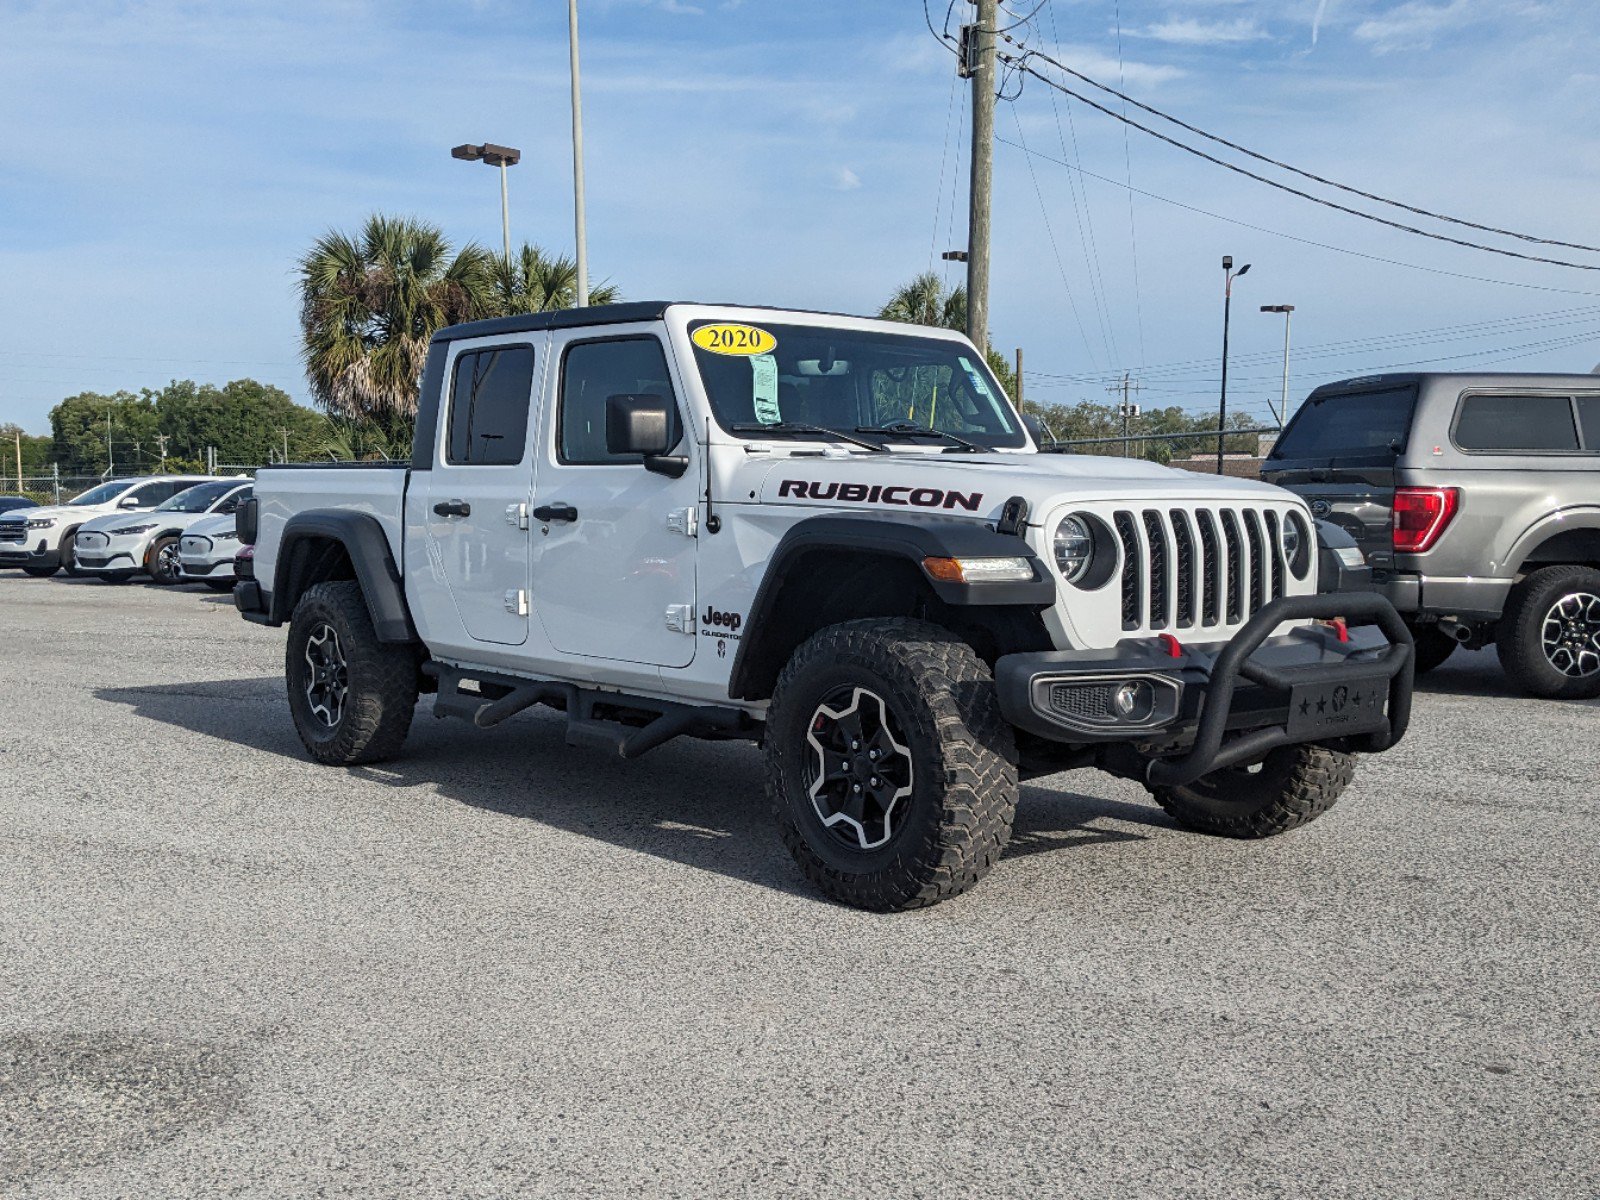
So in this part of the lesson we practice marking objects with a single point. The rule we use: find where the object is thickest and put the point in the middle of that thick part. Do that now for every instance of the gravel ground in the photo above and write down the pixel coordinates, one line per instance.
(503, 967)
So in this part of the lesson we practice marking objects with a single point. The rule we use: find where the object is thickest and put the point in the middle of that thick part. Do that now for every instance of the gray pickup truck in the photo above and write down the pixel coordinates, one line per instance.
(1476, 499)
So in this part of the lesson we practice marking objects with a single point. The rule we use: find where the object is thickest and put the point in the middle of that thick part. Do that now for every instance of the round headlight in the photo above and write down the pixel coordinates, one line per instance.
(1291, 539)
(1074, 548)
(1297, 545)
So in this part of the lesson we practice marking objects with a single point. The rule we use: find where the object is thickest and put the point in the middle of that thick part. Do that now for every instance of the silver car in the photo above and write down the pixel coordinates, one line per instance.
(119, 546)
(207, 549)
(1476, 498)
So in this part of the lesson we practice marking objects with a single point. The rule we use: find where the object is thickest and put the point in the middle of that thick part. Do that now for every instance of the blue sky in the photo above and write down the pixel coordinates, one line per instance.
(162, 165)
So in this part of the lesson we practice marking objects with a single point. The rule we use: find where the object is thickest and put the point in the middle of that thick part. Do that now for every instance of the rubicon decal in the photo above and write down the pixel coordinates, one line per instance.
(860, 493)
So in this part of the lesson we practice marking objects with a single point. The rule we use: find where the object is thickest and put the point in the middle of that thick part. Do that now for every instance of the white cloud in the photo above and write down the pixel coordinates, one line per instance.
(1316, 21)
(676, 6)
(1414, 25)
(1108, 70)
(845, 180)
(1187, 31)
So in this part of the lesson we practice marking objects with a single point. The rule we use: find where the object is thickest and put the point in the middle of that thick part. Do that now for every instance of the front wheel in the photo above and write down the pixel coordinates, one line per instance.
(69, 555)
(40, 572)
(1549, 637)
(1292, 786)
(163, 563)
(351, 695)
(890, 771)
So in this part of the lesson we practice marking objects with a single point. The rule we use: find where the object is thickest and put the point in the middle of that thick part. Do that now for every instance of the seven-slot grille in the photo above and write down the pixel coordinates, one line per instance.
(1185, 569)
(13, 531)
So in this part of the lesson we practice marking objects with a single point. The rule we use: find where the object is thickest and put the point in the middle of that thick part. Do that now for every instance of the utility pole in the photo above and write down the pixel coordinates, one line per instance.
(1125, 409)
(979, 65)
(111, 465)
(19, 460)
(1019, 378)
(285, 432)
(577, 158)
(1288, 315)
(161, 445)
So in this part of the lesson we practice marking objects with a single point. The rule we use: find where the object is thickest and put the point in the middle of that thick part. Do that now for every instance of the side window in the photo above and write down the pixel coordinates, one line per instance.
(489, 401)
(232, 502)
(594, 371)
(1589, 418)
(151, 494)
(1516, 423)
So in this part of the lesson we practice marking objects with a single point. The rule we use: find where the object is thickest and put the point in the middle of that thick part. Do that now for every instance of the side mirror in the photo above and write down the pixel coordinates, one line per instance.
(642, 424)
(130, 502)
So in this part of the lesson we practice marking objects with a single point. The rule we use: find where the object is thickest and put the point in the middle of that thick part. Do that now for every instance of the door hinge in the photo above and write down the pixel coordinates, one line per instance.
(680, 618)
(517, 516)
(517, 602)
(685, 521)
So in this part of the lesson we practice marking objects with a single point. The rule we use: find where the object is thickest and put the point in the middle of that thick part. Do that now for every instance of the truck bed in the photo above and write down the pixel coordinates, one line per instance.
(377, 489)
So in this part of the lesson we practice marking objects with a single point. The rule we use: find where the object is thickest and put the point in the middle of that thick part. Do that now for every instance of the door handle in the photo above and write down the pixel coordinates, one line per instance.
(555, 512)
(453, 508)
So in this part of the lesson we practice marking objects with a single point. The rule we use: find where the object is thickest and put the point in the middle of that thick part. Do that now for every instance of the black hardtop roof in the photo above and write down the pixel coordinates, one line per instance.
(1365, 383)
(598, 314)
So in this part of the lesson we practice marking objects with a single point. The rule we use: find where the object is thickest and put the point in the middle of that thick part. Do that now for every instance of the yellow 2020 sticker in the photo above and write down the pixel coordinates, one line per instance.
(734, 339)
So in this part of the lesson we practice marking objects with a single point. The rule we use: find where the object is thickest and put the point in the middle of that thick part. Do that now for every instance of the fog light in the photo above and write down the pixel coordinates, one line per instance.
(1133, 700)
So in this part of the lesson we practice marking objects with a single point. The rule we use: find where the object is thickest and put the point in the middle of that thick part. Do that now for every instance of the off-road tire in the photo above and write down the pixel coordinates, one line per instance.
(41, 572)
(1293, 786)
(381, 689)
(1432, 645)
(216, 585)
(957, 818)
(162, 567)
(69, 555)
(1520, 634)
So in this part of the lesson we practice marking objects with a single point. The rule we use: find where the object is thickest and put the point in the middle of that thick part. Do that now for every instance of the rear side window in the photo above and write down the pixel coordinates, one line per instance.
(594, 371)
(1350, 425)
(1589, 417)
(1528, 423)
(490, 396)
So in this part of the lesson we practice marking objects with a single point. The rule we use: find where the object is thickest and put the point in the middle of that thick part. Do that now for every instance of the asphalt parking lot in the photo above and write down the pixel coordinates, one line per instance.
(503, 967)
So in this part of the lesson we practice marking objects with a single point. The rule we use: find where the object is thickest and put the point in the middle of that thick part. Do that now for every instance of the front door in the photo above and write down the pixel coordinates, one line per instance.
(614, 559)
(479, 487)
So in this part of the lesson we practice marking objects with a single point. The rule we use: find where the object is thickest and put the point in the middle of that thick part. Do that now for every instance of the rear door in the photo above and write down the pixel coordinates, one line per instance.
(1340, 454)
(476, 534)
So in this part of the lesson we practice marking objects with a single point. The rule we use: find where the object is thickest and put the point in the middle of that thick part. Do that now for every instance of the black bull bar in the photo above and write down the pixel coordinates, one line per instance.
(1209, 752)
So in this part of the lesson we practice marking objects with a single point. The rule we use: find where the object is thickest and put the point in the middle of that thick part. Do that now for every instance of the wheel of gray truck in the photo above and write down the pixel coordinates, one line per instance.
(351, 695)
(890, 770)
(1549, 635)
(1432, 646)
(69, 555)
(162, 561)
(1293, 785)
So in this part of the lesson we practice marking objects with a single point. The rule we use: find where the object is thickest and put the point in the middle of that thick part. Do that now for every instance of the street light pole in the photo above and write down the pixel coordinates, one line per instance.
(1288, 314)
(577, 159)
(1228, 276)
(495, 156)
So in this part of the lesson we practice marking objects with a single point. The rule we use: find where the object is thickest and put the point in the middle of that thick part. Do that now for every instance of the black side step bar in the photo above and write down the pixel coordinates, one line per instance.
(500, 696)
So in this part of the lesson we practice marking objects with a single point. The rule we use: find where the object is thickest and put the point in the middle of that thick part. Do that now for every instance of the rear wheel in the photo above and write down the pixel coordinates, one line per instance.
(1292, 786)
(1432, 644)
(41, 572)
(1549, 637)
(162, 561)
(351, 695)
(891, 773)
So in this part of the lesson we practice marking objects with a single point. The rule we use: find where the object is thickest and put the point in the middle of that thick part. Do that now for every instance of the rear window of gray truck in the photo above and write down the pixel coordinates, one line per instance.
(1350, 425)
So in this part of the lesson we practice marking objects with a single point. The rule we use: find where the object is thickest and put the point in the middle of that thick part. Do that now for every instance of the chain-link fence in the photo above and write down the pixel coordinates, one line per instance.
(58, 488)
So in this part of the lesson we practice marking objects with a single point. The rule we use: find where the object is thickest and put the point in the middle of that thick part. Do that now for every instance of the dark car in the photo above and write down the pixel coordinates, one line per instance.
(12, 503)
(1476, 498)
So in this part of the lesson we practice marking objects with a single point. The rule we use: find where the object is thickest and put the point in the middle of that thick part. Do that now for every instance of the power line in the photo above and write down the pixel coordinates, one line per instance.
(1305, 241)
(1127, 169)
(1354, 191)
(1021, 65)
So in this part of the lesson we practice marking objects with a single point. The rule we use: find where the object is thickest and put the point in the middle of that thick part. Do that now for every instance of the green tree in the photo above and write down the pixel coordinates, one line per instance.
(370, 303)
(36, 451)
(924, 301)
(244, 420)
(535, 281)
(81, 425)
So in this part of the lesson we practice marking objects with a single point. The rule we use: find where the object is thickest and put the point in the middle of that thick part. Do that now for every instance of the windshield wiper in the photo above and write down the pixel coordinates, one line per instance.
(912, 429)
(796, 428)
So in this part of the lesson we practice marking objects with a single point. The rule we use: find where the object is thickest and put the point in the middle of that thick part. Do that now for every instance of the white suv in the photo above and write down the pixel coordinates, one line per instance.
(44, 540)
(117, 547)
(207, 549)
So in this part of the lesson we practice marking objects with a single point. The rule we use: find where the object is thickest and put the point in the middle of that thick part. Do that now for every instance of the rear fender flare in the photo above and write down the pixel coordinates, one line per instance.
(367, 545)
(1576, 518)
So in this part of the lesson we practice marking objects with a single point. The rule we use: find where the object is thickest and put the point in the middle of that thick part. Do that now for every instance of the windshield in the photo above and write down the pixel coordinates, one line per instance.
(1350, 425)
(848, 380)
(104, 494)
(198, 498)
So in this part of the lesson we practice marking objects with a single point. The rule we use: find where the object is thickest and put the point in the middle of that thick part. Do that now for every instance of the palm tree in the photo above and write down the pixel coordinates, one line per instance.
(535, 281)
(924, 301)
(369, 305)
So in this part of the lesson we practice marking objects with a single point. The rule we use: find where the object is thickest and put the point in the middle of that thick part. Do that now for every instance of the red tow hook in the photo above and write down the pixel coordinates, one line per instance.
(1342, 628)
(1173, 645)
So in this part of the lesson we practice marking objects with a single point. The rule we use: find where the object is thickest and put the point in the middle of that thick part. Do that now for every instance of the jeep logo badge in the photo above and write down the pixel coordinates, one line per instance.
(1321, 509)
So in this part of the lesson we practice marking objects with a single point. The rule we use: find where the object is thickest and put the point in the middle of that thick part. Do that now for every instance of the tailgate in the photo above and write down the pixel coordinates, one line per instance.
(1339, 453)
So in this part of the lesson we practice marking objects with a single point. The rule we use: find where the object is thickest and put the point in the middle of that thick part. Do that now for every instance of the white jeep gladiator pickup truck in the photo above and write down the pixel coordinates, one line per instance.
(833, 536)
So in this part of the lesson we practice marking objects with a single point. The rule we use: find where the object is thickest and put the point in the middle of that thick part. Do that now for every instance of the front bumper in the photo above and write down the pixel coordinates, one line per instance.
(1228, 703)
(108, 562)
(17, 554)
(219, 570)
